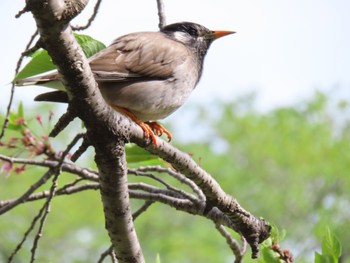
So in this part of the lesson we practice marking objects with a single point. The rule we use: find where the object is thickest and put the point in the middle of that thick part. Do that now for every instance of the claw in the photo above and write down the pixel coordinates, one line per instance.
(159, 129)
(150, 128)
(148, 132)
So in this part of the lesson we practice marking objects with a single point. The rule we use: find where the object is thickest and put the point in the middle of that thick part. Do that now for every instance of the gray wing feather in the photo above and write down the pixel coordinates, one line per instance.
(141, 55)
(133, 57)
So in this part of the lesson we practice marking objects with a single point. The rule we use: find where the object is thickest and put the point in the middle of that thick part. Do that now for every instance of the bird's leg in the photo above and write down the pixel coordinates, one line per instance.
(144, 126)
(159, 129)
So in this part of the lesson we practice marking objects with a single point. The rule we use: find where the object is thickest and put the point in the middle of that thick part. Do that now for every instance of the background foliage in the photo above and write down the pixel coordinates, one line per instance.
(289, 165)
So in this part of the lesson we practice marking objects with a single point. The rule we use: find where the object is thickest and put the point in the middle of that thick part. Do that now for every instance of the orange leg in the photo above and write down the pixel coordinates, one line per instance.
(159, 129)
(148, 129)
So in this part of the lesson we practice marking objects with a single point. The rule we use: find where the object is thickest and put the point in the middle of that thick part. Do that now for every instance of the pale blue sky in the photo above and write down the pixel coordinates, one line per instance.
(283, 49)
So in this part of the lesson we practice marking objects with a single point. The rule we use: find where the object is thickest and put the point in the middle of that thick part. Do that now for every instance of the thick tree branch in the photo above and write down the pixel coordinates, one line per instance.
(89, 105)
(116, 204)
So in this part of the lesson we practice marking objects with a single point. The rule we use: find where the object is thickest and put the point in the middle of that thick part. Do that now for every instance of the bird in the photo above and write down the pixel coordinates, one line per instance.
(144, 75)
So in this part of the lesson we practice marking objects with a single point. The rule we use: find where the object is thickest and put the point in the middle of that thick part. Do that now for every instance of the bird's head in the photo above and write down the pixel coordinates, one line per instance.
(194, 35)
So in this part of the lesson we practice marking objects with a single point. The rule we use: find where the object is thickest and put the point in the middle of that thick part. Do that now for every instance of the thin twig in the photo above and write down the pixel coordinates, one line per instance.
(161, 14)
(142, 209)
(150, 194)
(34, 48)
(21, 12)
(168, 186)
(9, 105)
(65, 190)
(155, 190)
(82, 148)
(26, 234)
(63, 121)
(91, 19)
(179, 204)
(69, 185)
(24, 196)
(85, 173)
(244, 245)
(105, 254)
(233, 244)
(69, 147)
(49, 199)
(46, 210)
(178, 176)
(284, 254)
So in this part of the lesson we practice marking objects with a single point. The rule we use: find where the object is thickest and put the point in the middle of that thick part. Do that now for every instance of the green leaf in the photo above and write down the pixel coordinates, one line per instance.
(41, 62)
(89, 45)
(267, 242)
(276, 234)
(324, 258)
(158, 259)
(269, 256)
(20, 110)
(331, 245)
(16, 119)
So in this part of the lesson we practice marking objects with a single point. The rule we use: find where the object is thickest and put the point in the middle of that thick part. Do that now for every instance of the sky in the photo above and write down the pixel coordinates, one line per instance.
(283, 50)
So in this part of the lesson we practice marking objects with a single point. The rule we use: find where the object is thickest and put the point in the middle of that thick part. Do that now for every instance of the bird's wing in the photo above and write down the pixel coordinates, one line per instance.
(148, 55)
(133, 57)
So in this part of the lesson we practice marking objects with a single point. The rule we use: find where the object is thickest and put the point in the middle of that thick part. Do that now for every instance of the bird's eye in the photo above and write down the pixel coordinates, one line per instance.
(189, 29)
(193, 32)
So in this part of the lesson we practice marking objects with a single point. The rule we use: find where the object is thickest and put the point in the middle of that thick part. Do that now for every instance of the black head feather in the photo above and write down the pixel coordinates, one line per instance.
(193, 29)
(194, 36)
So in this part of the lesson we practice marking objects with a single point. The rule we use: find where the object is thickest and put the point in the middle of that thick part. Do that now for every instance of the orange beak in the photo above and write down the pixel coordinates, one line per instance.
(221, 33)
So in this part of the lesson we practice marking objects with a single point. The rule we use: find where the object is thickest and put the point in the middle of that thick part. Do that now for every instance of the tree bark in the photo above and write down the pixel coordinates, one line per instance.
(56, 35)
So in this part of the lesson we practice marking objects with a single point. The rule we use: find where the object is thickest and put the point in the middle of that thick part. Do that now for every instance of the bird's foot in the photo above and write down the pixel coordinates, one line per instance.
(159, 129)
(148, 132)
(150, 128)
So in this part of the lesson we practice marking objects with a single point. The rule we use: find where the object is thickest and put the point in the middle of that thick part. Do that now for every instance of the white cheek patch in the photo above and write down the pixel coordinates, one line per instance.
(181, 36)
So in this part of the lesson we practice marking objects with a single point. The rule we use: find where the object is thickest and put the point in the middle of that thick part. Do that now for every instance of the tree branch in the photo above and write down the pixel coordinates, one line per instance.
(116, 204)
(253, 229)
(178, 176)
(107, 130)
(8, 206)
(233, 244)
(89, 105)
(91, 18)
(161, 14)
(18, 66)
(66, 167)
(176, 191)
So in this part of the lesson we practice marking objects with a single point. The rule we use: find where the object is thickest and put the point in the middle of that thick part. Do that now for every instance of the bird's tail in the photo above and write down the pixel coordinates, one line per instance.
(53, 96)
(50, 80)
